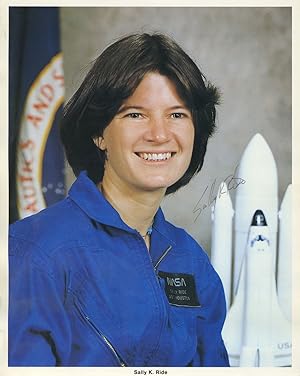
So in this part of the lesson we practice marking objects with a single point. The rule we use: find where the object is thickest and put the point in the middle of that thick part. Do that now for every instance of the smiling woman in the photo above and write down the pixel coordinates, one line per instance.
(116, 284)
(149, 144)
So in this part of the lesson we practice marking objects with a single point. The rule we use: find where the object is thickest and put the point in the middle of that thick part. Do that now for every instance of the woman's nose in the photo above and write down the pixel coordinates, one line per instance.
(158, 131)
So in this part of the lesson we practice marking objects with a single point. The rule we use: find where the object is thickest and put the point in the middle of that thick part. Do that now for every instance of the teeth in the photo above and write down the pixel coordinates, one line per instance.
(155, 156)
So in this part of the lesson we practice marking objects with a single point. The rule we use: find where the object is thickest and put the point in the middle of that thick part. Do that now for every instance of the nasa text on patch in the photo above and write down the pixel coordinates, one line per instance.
(180, 289)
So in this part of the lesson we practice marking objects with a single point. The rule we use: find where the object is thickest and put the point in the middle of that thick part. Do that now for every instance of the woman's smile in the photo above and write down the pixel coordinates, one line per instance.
(155, 157)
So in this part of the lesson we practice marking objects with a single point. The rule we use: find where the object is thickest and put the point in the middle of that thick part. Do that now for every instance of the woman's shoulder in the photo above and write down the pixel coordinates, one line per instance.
(49, 229)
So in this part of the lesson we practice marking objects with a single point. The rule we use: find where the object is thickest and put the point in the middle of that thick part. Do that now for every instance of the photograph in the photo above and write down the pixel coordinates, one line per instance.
(150, 187)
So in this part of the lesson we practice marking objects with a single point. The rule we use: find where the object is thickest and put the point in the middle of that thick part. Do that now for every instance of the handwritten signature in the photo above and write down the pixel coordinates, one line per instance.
(209, 195)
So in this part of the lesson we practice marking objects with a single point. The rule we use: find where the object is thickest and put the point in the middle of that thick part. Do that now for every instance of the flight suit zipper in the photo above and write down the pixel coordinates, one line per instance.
(102, 337)
(162, 257)
(159, 285)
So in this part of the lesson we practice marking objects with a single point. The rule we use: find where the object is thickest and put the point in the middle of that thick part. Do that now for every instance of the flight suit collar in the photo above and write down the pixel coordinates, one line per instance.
(90, 199)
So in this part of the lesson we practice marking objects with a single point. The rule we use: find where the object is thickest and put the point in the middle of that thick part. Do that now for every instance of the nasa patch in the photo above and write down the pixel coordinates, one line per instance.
(180, 289)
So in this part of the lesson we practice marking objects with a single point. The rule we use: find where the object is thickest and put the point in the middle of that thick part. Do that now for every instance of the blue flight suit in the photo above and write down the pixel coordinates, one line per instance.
(85, 291)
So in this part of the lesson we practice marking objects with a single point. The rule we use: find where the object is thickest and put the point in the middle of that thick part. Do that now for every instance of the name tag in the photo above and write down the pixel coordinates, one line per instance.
(180, 289)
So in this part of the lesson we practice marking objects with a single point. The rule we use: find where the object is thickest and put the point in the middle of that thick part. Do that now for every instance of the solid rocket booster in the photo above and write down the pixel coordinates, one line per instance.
(221, 241)
(258, 168)
(255, 332)
(284, 278)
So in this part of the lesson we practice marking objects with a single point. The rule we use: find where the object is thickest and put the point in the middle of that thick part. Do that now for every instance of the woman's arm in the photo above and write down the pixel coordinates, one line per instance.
(39, 331)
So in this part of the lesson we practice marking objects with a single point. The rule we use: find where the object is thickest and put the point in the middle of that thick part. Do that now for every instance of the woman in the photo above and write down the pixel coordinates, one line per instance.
(101, 278)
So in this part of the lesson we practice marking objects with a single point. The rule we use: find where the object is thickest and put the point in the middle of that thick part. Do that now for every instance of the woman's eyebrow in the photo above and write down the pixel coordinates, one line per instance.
(178, 107)
(130, 107)
(138, 107)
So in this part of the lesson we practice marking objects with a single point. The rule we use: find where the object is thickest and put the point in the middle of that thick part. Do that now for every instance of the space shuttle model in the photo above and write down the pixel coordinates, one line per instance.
(256, 278)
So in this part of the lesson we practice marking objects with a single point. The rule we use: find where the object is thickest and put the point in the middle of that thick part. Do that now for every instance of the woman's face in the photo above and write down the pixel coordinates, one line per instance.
(149, 142)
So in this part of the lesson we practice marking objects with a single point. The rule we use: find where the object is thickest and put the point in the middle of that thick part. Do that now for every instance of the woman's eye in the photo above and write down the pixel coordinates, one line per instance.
(134, 115)
(177, 115)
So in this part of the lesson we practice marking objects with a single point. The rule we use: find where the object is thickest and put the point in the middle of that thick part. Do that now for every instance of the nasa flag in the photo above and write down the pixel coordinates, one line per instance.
(36, 85)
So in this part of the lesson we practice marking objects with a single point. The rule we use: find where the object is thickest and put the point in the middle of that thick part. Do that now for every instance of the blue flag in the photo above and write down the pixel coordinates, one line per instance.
(36, 86)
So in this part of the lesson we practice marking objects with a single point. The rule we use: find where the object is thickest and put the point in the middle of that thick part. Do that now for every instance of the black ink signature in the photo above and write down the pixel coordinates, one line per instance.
(209, 195)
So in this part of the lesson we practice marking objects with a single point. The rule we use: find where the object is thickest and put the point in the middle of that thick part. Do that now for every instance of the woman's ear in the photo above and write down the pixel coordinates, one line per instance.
(100, 143)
